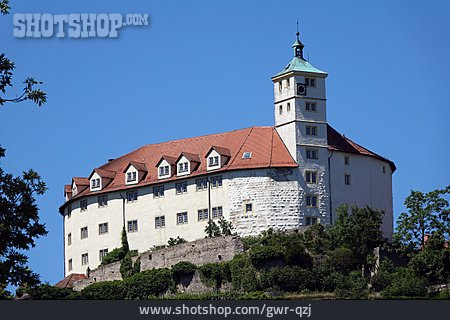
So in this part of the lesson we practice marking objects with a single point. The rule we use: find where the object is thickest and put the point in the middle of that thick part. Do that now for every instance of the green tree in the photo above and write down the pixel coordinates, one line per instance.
(173, 242)
(427, 216)
(226, 228)
(29, 91)
(212, 229)
(19, 225)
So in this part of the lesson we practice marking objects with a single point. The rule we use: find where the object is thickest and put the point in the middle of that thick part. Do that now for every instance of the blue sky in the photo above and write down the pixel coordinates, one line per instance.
(204, 67)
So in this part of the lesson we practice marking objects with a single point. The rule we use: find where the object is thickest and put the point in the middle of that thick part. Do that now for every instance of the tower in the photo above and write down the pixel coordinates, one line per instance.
(301, 122)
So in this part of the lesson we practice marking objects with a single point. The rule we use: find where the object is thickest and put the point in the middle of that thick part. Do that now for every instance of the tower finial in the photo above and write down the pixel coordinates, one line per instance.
(298, 45)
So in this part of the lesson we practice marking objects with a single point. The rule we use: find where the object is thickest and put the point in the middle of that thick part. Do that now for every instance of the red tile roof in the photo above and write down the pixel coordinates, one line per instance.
(140, 166)
(81, 181)
(104, 173)
(169, 159)
(68, 281)
(190, 156)
(220, 150)
(338, 142)
(67, 189)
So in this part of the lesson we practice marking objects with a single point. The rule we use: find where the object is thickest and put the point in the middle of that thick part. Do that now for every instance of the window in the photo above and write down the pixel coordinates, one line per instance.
(202, 214)
(311, 82)
(384, 169)
(287, 82)
(280, 109)
(310, 106)
(69, 212)
(160, 222)
(311, 130)
(280, 86)
(158, 191)
(131, 176)
(312, 154)
(248, 207)
(103, 228)
(69, 239)
(347, 179)
(216, 181)
(247, 155)
(95, 183)
(181, 187)
(182, 218)
(83, 205)
(311, 176)
(132, 226)
(217, 212)
(201, 184)
(102, 201)
(102, 253)
(214, 161)
(132, 196)
(311, 200)
(347, 160)
(289, 106)
(84, 232)
(311, 220)
(163, 171)
(183, 167)
(84, 259)
(70, 265)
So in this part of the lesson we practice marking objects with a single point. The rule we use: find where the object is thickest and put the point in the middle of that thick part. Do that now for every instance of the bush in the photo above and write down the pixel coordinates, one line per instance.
(148, 283)
(383, 278)
(342, 260)
(45, 292)
(173, 242)
(109, 290)
(214, 274)
(243, 274)
(116, 255)
(182, 270)
(323, 278)
(296, 255)
(126, 267)
(405, 283)
(263, 256)
(432, 265)
(290, 279)
(352, 286)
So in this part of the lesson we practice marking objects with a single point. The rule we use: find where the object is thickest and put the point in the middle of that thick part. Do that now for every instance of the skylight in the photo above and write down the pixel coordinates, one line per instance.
(247, 155)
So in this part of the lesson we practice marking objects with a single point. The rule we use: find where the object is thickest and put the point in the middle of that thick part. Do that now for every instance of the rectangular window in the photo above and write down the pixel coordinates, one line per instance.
(181, 187)
(158, 191)
(287, 82)
(132, 226)
(83, 205)
(84, 259)
(95, 183)
(216, 181)
(384, 169)
(182, 218)
(69, 239)
(311, 130)
(311, 220)
(102, 253)
(289, 106)
(280, 86)
(103, 228)
(214, 161)
(84, 232)
(311, 200)
(102, 201)
(347, 179)
(132, 196)
(70, 265)
(217, 212)
(164, 171)
(280, 108)
(160, 222)
(310, 106)
(312, 154)
(248, 207)
(201, 184)
(202, 214)
(131, 176)
(69, 212)
(347, 160)
(310, 82)
(183, 167)
(311, 176)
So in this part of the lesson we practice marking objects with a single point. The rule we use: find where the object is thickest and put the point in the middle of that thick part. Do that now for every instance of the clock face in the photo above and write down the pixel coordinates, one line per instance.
(301, 89)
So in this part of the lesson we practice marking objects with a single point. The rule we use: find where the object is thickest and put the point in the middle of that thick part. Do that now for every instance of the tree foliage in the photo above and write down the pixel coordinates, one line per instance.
(175, 241)
(19, 225)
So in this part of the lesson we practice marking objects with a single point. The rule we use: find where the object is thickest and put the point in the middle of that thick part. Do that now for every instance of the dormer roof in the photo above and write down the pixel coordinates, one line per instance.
(171, 160)
(108, 174)
(192, 157)
(220, 150)
(139, 166)
(80, 181)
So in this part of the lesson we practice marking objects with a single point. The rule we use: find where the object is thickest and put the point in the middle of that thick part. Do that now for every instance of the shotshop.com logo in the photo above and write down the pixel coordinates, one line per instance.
(74, 25)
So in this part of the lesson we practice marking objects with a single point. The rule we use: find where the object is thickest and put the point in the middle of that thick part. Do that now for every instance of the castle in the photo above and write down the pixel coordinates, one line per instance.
(293, 174)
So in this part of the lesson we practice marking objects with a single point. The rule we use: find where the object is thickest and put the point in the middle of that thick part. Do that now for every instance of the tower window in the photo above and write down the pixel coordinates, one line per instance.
(287, 83)
(311, 200)
(384, 169)
(311, 176)
(310, 82)
(289, 106)
(312, 154)
(347, 179)
(281, 109)
(347, 160)
(69, 239)
(310, 106)
(311, 130)
(280, 85)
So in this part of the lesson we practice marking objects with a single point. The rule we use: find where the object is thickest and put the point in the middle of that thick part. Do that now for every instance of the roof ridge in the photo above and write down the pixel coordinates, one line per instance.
(240, 148)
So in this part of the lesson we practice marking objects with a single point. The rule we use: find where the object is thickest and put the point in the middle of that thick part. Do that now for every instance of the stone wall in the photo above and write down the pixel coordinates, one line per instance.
(198, 252)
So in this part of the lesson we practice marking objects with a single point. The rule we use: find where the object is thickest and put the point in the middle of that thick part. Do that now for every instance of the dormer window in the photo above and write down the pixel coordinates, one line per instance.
(217, 157)
(95, 183)
(166, 167)
(213, 161)
(183, 167)
(163, 171)
(131, 176)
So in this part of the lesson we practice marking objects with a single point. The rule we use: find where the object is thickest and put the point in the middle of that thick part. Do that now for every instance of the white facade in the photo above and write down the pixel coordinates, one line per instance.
(253, 199)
